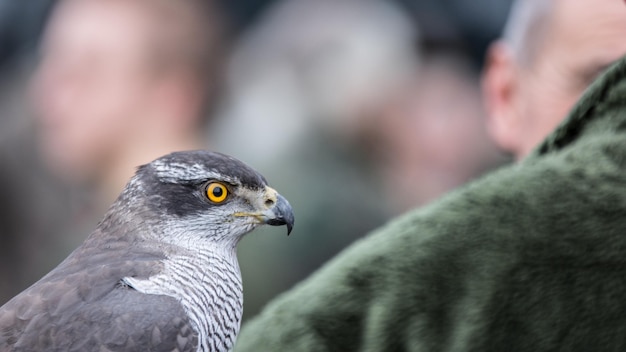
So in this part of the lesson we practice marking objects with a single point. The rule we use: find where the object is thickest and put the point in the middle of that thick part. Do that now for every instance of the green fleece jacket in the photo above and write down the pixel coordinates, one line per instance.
(529, 258)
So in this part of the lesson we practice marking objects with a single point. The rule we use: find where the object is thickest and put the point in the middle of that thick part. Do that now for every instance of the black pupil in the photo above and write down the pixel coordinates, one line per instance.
(218, 192)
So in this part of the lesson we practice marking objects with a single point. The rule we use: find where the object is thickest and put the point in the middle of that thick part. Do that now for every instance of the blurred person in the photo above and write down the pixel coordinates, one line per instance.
(312, 65)
(528, 258)
(119, 83)
(123, 82)
(424, 145)
(311, 71)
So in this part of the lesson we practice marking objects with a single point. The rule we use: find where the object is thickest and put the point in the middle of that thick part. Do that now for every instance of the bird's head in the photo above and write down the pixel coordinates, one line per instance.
(204, 195)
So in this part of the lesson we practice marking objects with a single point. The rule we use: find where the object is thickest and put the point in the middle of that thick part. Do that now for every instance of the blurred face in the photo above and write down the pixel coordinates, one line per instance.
(527, 101)
(91, 85)
(428, 144)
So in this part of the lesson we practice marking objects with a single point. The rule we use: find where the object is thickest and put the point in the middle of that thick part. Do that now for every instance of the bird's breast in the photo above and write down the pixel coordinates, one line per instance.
(210, 290)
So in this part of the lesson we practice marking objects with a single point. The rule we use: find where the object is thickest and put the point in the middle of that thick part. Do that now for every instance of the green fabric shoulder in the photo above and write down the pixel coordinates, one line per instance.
(529, 258)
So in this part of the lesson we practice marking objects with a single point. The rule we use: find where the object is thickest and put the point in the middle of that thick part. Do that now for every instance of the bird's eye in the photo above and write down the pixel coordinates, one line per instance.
(216, 192)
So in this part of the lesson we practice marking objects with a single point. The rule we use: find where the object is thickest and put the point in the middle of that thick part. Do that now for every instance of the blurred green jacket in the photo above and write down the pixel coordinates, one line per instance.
(529, 258)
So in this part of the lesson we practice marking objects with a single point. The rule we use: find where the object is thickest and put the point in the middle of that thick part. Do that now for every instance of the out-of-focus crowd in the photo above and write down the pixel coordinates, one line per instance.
(356, 110)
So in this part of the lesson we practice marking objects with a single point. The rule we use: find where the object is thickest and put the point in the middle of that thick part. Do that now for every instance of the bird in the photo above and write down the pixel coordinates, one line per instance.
(160, 271)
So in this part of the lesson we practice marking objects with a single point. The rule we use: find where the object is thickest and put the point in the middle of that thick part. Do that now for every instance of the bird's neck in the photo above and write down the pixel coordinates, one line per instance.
(208, 285)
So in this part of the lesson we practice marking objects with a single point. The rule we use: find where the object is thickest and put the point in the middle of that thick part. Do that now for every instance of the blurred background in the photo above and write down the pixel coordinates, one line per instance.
(355, 110)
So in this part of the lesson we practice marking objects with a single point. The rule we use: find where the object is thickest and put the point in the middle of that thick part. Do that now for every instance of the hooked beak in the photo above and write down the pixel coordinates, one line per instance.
(280, 214)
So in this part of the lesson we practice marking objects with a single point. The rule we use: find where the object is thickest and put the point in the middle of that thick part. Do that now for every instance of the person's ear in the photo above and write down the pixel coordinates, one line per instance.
(500, 86)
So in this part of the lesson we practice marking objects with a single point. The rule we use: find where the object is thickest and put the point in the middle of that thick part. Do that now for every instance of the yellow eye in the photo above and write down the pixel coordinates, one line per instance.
(216, 192)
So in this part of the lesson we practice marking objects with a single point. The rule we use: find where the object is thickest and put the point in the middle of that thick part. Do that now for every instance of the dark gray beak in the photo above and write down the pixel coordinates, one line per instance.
(280, 214)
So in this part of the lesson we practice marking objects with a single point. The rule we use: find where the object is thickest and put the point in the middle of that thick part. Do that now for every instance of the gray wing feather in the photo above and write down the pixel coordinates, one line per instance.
(81, 306)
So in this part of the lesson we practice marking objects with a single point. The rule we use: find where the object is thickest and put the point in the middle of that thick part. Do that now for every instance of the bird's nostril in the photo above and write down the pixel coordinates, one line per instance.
(269, 202)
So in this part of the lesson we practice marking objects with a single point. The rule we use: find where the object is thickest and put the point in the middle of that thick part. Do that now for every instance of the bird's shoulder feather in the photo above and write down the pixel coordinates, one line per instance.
(82, 306)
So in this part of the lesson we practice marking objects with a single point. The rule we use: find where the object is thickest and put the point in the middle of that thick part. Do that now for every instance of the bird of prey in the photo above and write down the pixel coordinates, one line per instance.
(160, 271)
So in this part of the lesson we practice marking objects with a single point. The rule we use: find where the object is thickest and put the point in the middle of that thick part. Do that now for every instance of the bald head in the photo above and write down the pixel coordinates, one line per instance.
(525, 28)
(551, 50)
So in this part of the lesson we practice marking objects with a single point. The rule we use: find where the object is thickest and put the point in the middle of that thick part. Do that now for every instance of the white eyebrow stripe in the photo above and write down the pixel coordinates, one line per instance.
(173, 172)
